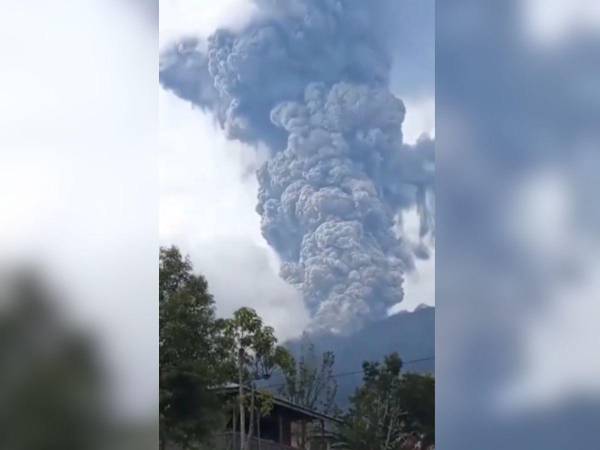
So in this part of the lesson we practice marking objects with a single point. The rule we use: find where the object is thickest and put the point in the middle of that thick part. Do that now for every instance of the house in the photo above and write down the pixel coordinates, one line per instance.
(286, 426)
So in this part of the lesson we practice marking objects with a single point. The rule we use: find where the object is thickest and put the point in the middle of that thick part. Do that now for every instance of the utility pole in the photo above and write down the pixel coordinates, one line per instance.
(241, 395)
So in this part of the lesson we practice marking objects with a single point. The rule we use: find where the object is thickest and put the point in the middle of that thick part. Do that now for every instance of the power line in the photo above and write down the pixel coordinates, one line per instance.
(356, 372)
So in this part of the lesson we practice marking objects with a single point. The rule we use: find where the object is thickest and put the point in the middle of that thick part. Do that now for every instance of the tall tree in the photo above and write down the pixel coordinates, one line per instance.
(310, 381)
(191, 361)
(255, 354)
(390, 411)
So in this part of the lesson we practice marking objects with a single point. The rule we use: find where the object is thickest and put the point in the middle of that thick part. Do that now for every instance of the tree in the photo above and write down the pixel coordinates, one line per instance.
(51, 372)
(418, 401)
(255, 354)
(310, 382)
(191, 359)
(390, 411)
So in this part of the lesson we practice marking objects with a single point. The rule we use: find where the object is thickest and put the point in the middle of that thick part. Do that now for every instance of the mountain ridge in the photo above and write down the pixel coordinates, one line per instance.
(410, 334)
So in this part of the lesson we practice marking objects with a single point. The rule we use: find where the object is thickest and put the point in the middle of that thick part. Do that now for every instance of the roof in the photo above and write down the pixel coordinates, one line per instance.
(303, 411)
(231, 388)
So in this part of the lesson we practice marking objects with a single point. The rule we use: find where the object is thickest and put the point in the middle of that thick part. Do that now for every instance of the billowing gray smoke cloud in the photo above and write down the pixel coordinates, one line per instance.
(309, 78)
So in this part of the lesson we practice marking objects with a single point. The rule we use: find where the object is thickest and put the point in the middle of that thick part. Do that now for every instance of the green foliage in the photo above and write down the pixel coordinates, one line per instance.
(51, 377)
(390, 411)
(190, 353)
(418, 400)
(309, 380)
(252, 346)
(254, 353)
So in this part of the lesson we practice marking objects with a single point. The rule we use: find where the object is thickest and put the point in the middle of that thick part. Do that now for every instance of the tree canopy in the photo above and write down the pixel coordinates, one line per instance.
(391, 410)
(191, 360)
(200, 353)
(254, 353)
(310, 381)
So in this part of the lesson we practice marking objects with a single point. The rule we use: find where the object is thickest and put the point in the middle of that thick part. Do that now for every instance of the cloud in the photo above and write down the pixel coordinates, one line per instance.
(551, 22)
(419, 285)
(241, 273)
(310, 81)
(208, 186)
(78, 177)
(207, 203)
(180, 18)
(420, 118)
(517, 244)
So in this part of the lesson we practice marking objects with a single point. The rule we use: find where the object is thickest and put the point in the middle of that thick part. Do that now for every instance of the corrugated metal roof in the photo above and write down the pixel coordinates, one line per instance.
(233, 389)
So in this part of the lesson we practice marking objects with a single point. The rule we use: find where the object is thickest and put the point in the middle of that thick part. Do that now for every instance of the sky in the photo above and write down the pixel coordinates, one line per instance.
(207, 199)
(208, 190)
(78, 182)
(80, 200)
(516, 319)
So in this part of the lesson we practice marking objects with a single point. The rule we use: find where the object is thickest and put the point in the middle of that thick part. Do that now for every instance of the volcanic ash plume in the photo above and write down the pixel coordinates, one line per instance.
(311, 82)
